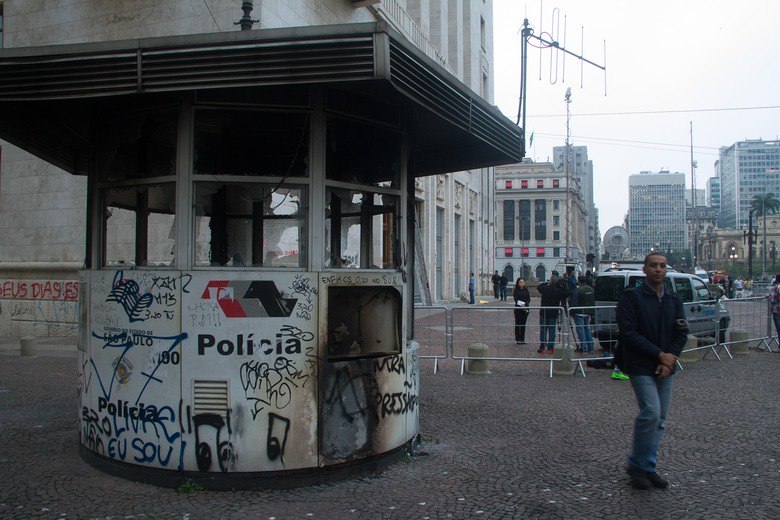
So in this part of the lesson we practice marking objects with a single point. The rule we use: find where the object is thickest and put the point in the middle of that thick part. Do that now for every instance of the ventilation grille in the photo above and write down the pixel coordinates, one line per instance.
(225, 64)
(210, 397)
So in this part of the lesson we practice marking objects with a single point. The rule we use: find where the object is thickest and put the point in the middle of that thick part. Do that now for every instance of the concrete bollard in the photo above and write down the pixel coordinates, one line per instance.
(738, 342)
(566, 366)
(693, 356)
(478, 366)
(29, 346)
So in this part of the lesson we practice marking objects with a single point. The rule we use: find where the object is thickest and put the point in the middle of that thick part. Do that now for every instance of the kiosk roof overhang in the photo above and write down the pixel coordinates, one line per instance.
(47, 93)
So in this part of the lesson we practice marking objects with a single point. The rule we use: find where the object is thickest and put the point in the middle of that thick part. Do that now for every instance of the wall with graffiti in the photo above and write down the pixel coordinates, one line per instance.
(38, 307)
(230, 372)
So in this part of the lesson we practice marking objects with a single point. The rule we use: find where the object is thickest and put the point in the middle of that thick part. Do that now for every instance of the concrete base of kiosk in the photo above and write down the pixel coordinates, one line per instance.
(250, 480)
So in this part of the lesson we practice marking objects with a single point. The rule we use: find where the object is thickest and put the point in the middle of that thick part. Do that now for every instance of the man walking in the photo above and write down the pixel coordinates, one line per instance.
(495, 279)
(652, 333)
(472, 284)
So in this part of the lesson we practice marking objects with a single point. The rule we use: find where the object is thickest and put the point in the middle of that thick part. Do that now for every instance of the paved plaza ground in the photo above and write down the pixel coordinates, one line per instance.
(512, 444)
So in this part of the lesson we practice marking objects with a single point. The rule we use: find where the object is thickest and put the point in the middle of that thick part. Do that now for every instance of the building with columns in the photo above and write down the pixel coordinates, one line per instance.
(533, 228)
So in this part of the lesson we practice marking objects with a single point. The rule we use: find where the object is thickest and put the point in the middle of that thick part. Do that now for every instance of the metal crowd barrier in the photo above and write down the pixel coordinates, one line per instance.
(448, 332)
(746, 315)
(496, 327)
(433, 332)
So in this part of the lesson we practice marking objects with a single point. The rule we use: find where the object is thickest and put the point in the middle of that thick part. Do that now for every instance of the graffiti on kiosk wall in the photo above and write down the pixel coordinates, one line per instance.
(146, 433)
(123, 341)
(39, 290)
(356, 400)
(138, 307)
(209, 426)
(301, 286)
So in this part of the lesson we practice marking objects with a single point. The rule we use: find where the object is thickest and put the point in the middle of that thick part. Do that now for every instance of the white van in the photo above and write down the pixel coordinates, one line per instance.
(705, 315)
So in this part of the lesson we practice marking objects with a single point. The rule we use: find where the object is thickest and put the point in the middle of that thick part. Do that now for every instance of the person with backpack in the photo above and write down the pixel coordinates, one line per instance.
(583, 300)
(652, 332)
(552, 297)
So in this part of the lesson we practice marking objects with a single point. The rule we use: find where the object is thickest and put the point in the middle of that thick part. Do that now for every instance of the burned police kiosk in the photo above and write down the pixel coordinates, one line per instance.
(246, 304)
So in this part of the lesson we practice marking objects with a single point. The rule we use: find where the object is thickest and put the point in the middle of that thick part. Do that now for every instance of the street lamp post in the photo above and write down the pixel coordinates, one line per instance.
(772, 253)
(733, 257)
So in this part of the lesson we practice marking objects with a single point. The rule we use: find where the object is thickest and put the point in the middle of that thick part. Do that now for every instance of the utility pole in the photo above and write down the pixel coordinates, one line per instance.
(694, 220)
(567, 174)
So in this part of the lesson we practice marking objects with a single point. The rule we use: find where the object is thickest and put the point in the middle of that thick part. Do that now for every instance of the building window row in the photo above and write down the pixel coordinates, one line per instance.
(523, 252)
(524, 184)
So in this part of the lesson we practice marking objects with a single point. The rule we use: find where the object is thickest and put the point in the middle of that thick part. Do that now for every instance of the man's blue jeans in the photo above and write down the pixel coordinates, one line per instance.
(776, 319)
(652, 396)
(583, 332)
(547, 331)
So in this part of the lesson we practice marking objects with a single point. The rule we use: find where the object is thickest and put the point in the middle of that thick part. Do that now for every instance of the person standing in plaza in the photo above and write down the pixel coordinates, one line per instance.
(472, 285)
(774, 303)
(522, 299)
(582, 303)
(503, 281)
(495, 279)
(552, 296)
(652, 332)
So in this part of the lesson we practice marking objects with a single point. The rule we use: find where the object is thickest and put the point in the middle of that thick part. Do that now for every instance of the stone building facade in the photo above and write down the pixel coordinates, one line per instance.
(531, 225)
(42, 208)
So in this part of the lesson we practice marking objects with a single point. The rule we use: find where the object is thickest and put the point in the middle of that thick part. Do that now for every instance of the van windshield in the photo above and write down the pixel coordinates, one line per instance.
(609, 288)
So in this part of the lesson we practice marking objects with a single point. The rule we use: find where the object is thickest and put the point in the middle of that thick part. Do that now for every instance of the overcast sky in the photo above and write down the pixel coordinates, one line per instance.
(688, 61)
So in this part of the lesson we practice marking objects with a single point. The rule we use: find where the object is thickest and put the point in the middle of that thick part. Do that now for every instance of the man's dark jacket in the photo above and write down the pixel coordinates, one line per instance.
(648, 327)
(553, 295)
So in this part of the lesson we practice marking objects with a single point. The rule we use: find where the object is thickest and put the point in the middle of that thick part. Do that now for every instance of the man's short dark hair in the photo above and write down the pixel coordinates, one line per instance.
(653, 253)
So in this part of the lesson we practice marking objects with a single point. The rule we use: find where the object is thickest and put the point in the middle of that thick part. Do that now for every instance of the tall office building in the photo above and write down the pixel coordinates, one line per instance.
(656, 212)
(581, 169)
(699, 197)
(746, 169)
(713, 190)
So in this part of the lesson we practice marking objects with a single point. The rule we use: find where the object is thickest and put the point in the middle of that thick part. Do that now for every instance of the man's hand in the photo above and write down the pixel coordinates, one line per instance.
(666, 359)
(662, 371)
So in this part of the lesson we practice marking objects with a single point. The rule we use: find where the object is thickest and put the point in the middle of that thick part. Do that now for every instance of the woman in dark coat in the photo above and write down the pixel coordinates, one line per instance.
(522, 299)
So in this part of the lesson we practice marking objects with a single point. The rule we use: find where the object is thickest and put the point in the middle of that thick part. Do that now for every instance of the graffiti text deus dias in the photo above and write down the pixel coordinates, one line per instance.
(248, 345)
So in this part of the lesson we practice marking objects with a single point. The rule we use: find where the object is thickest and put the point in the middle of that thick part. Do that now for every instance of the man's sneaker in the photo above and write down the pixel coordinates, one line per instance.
(639, 478)
(550, 351)
(619, 376)
(540, 350)
(656, 480)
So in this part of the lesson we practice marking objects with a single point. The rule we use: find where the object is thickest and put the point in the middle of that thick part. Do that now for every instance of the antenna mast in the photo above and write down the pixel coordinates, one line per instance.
(527, 34)
(567, 174)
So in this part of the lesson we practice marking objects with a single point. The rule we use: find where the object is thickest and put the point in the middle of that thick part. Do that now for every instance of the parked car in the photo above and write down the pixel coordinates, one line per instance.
(705, 314)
